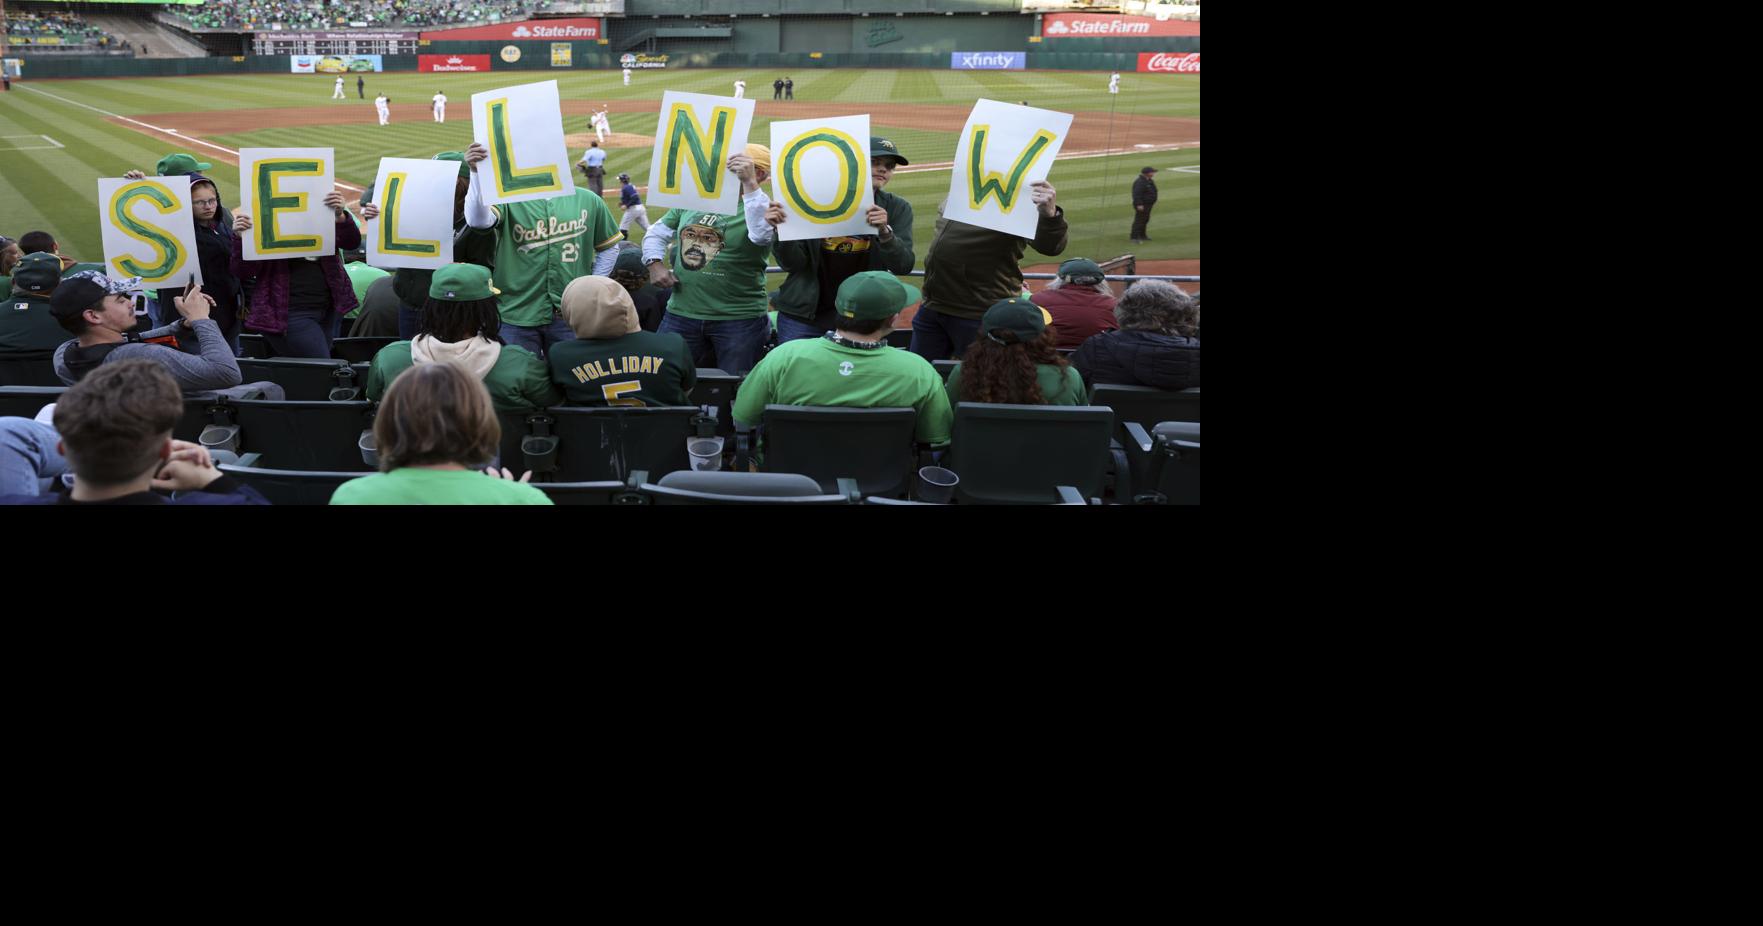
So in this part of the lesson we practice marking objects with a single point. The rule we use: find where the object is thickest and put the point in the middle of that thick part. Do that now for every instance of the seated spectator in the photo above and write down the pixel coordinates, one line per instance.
(31, 462)
(9, 256)
(100, 315)
(852, 366)
(379, 311)
(361, 279)
(613, 361)
(1013, 361)
(434, 431)
(460, 324)
(297, 303)
(1079, 301)
(649, 299)
(26, 322)
(114, 428)
(41, 241)
(1158, 343)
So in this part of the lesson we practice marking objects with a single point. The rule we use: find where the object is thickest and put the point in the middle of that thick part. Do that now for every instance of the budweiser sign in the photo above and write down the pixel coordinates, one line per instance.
(449, 64)
(1101, 26)
(1165, 63)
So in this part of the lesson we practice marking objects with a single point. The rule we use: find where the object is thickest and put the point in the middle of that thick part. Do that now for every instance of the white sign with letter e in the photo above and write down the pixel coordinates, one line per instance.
(149, 231)
(283, 191)
(820, 174)
(522, 127)
(1003, 149)
(415, 224)
(697, 135)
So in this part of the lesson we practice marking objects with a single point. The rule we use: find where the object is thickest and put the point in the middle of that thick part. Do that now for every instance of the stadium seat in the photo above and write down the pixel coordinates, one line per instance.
(716, 389)
(305, 379)
(28, 368)
(599, 444)
(608, 492)
(945, 367)
(199, 414)
(1018, 454)
(290, 486)
(358, 350)
(1146, 405)
(255, 347)
(900, 337)
(1166, 463)
(306, 436)
(728, 488)
(27, 401)
(1067, 496)
(871, 445)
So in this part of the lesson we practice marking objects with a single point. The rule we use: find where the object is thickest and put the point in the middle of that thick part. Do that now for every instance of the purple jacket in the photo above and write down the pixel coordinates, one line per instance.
(269, 302)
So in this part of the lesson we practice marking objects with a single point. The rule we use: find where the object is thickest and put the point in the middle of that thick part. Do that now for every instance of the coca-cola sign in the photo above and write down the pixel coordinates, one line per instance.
(1102, 26)
(1160, 62)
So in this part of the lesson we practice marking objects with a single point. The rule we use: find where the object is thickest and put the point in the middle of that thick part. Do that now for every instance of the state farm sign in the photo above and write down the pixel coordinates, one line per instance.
(1165, 63)
(532, 30)
(1101, 26)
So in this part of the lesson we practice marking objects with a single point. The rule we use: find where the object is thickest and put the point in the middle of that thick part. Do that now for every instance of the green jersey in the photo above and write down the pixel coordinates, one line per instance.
(412, 486)
(816, 371)
(540, 246)
(1066, 389)
(641, 368)
(518, 382)
(25, 324)
(721, 271)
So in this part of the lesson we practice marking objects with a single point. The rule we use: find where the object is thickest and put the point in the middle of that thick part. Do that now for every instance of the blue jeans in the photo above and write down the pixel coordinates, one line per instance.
(936, 336)
(29, 460)
(535, 339)
(409, 321)
(792, 329)
(736, 344)
(310, 333)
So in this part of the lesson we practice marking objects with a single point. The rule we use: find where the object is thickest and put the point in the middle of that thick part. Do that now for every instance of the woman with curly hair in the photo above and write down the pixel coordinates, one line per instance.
(1013, 361)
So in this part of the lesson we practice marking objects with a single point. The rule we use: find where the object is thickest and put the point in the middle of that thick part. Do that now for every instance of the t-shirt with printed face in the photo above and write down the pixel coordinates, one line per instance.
(721, 271)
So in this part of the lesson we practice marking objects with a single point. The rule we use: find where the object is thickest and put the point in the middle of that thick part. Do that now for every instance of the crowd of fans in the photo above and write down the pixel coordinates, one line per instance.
(59, 28)
(266, 14)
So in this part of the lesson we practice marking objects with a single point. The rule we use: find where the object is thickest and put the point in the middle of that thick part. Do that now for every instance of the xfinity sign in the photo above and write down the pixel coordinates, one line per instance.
(988, 60)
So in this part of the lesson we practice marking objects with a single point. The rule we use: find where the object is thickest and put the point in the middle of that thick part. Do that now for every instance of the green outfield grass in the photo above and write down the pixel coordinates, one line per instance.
(54, 188)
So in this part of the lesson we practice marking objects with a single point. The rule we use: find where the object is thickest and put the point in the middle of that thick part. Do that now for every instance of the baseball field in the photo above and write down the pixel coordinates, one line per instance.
(57, 137)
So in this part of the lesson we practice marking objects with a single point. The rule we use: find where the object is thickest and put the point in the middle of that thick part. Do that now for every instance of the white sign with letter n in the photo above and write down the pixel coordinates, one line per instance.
(697, 135)
(523, 129)
(149, 231)
(283, 191)
(415, 224)
(1003, 149)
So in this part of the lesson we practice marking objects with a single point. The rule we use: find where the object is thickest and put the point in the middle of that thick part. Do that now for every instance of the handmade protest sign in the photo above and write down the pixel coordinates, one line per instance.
(1003, 149)
(820, 173)
(149, 231)
(522, 127)
(697, 135)
(415, 225)
(283, 191)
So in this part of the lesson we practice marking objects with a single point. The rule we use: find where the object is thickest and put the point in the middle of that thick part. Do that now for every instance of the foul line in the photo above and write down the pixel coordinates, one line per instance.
(146, 125)
(945, 165)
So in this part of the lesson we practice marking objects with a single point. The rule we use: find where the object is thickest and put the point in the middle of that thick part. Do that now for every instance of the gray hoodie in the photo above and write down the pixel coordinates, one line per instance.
(214, 369)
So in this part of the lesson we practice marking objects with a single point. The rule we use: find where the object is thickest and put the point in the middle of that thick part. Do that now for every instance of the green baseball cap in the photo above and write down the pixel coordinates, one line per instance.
(1082, 270)
(179, 164)
(37, 273)
(874, 294)
(880, 147)
(462, 283)
(1017, 316)
(455, 156)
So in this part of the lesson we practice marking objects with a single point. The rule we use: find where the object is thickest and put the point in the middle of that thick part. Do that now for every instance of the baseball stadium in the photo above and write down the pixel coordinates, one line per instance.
(1057, 369)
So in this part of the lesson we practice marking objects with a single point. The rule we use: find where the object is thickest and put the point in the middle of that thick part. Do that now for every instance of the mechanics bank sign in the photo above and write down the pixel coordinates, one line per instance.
(988, 60)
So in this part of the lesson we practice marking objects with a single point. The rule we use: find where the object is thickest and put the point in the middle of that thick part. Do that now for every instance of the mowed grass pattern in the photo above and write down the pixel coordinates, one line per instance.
(56, 189)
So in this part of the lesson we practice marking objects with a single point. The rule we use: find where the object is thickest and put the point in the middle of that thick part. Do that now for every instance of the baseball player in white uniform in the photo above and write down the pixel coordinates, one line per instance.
(627, 77)
(740, 89)
(440, 107)
(1114, 83)
(382, 105)
(337, 94)
(602, 125)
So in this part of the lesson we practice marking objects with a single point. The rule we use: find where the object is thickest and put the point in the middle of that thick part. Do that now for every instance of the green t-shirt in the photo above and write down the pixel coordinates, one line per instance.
(25, 324)
(640, 368)
(518, 382)
(540, 246)
(815, 371)
(361, 276)
(721, 271)
(412, 486)
(1059, 390)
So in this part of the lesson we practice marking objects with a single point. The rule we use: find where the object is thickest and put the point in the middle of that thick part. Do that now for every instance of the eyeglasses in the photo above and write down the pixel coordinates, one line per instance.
(205, 202)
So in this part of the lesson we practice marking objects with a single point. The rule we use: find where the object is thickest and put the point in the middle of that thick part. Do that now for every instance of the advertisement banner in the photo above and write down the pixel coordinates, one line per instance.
(697, 135)
(642, 61)
(448, 64)
(345, 36)
(1002, 151)
(988, 60)
(283, 191)
(532, 30)
(336, 64)
(1101, 26)
(561, 53)
(523, 129)
(415, 224)
(820, 175)
(149, 231)
(1162, 62)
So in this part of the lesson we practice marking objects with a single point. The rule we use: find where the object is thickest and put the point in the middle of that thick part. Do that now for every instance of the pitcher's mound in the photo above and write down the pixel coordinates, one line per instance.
(613, 140)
